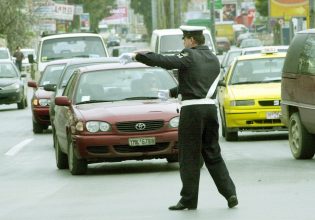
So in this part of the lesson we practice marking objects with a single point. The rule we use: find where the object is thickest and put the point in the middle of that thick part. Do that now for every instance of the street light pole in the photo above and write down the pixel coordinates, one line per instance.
(212, 19)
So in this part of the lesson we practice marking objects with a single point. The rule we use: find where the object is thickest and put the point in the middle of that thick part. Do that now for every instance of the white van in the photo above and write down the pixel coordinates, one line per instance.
(66, 46)
(169, 41)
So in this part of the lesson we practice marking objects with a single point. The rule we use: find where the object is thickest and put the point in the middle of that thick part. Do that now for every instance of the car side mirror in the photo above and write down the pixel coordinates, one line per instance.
(62, 101)
(222, 83)
(115, 52)
(32, 84)
(50, 87)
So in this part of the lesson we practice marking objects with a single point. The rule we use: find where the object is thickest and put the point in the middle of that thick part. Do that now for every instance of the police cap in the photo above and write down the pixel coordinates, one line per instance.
(190, 31)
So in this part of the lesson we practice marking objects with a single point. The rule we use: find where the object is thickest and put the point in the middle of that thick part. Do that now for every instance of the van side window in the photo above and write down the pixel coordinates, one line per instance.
(307, 58)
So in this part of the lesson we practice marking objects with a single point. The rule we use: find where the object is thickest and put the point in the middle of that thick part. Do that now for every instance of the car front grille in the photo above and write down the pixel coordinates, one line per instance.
(139, 126)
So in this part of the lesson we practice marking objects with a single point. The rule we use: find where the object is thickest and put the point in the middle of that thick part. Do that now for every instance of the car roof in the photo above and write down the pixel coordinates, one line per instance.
(109, 66)
(260, 56)
(74, 61)
(63, 35)
(6, 61)
(174, 31)
(308, 31)
(249, 49)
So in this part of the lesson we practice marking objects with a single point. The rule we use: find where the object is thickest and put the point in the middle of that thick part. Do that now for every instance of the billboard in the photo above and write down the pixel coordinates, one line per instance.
(288, 8)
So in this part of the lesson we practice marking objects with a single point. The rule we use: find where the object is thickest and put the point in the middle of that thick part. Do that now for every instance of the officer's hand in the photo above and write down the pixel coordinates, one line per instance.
(126, 58)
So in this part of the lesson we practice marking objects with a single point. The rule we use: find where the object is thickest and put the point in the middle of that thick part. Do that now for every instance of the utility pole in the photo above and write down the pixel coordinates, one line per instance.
(172, 13)
(212, 19)
(154, 14)
(312, 13)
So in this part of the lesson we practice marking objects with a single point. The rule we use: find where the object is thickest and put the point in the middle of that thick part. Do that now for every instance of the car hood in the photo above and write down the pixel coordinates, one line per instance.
(128, 110)
(7, 81)
(43, 94)
(254, 91)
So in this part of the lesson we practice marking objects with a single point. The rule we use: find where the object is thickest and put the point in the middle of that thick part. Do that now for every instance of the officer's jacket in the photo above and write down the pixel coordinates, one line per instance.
(197, 68)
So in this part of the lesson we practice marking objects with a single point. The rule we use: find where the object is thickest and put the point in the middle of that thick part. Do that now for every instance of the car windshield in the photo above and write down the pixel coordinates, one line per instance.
(123, 84)
(63, 48)
(257, 71)
(4, 54)
(7, 70)
(69, 71)
(51, 74)
(171, 44)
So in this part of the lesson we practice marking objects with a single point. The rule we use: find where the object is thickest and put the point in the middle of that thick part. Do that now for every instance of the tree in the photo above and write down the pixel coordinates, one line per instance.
(98, 9)
(262, 7)
(143, 7)
(15, 23)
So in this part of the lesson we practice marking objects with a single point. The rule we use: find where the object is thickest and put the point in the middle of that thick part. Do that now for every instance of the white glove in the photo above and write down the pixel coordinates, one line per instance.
(126, 58)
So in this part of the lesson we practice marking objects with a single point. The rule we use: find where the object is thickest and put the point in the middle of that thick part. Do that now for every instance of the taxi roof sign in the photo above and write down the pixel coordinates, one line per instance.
(269, 50)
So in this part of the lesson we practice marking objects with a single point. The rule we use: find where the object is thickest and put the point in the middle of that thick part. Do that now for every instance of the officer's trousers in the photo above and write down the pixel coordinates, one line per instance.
(199, 134)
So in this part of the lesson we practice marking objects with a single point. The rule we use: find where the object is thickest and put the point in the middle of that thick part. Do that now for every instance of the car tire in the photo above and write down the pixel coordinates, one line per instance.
(37, 128)
(231, 135)
(172, 159)
(300, 140)
(21, 104)
(61, 158)
(76, 166)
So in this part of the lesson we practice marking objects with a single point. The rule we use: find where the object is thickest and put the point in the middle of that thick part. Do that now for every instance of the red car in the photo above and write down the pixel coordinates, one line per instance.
(41, 98)
(115, 112)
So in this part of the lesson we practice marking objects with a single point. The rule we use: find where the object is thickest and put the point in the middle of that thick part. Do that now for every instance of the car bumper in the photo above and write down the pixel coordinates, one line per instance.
(41, 115)
(267, 119)
(10, 96)
(116, 147)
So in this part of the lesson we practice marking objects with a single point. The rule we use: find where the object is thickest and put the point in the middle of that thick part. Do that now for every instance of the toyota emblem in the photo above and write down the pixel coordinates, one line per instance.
(140, 126)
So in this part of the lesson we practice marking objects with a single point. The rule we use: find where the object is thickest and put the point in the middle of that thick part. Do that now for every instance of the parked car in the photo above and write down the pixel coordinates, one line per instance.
(41, 99)
(13, 87)
(249, 95)
(297, 94)
(115, 112)
(223, 44)
(251, 43)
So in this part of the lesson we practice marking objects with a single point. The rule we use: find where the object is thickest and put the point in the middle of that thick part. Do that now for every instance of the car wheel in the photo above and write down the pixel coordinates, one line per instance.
(301, 142)
(172, 159)
(21, 104)
(76, 166)
(25, 102)
(231, 135)
(37, 128)
(61, 158)
(223, 125)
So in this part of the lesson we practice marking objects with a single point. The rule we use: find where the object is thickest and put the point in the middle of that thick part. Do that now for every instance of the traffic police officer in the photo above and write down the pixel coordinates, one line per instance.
(198, 74)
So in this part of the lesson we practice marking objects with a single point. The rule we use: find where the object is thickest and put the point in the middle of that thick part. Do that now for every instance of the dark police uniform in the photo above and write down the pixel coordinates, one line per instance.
(198, 69)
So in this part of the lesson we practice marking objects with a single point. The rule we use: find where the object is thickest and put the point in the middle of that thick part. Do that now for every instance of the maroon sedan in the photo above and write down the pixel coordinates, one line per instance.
(41, 98)
(115, 112)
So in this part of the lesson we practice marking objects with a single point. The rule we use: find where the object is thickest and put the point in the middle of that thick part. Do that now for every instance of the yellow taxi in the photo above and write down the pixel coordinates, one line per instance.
(249, 94)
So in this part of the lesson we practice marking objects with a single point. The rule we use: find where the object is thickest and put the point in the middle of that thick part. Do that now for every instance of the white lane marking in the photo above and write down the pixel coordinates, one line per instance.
(15, 149)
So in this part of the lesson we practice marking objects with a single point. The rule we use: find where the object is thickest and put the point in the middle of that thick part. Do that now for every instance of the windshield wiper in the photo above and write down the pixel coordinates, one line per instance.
(271, 80)
(247, 82)
(93, 101)
(140, 98)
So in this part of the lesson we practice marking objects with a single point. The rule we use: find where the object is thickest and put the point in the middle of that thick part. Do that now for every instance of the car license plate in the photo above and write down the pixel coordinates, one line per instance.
(141, 141)
(273, 115)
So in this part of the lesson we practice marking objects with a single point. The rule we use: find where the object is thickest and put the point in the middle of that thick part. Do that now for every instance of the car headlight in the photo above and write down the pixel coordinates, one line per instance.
(44, 102)
(174, 122)
(13, 86)
(249, 102)
(95, 126)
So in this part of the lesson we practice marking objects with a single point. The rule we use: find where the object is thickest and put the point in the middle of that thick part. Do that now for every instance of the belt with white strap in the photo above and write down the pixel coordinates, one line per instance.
(204, 101)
